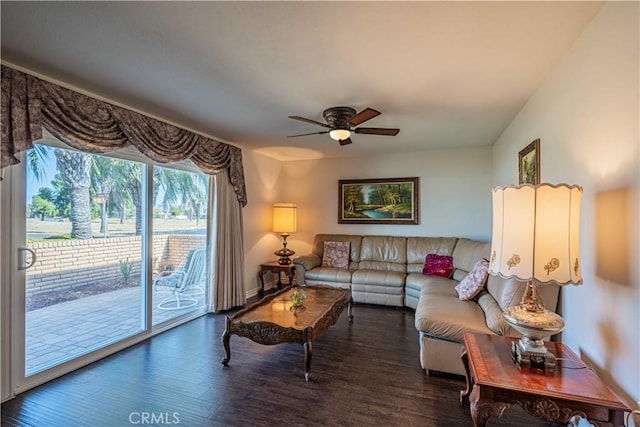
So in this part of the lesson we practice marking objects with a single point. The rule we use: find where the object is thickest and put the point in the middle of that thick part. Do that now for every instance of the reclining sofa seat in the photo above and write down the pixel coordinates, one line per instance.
(309, 268)
(376, 273)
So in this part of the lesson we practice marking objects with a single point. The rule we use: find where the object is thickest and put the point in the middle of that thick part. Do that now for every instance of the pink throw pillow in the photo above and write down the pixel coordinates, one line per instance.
(438, 265)
(336, 254)
(473, 282)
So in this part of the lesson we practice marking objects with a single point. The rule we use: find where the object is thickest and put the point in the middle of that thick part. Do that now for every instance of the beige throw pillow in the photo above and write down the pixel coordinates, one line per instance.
(336, 254)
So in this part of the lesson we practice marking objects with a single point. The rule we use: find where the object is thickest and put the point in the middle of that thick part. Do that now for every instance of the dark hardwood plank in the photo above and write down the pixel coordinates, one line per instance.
(366, 373)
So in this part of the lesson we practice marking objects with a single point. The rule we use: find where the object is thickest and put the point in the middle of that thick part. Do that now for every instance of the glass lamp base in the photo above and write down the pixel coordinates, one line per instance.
(530, 351)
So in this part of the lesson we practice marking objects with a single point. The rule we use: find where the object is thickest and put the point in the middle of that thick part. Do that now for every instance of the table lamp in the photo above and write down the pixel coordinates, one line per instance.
(535, 239)
(284, 222)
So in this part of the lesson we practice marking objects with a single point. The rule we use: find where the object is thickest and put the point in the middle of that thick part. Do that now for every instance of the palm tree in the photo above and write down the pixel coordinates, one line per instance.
(132, 174)
(74, 167)
(187, 189)
(102, 182)
(36, 157)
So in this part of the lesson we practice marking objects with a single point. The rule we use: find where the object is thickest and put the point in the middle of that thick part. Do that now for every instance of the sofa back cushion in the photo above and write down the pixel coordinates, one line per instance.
(355, 243)
(508, 292)
(465, 255)
(386, 253)
(419, 247)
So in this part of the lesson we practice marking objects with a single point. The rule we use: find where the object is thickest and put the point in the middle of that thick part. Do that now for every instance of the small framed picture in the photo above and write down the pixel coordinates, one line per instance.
(529, 164)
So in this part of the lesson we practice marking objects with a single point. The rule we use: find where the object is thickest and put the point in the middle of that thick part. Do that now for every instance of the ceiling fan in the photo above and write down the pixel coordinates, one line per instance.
(342, 121)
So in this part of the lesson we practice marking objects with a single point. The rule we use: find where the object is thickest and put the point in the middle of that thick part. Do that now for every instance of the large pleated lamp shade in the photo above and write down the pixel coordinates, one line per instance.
(535, 239)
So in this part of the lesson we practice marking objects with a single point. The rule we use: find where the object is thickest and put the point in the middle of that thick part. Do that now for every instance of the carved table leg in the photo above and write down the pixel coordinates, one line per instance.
(464, 394)
(290, 275)
(308, 348)
(483, 409)
(261, 289)
(226, 335)
(350, 310)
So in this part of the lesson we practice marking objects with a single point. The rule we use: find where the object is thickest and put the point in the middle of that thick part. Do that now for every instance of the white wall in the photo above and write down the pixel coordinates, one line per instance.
(455, 193)
(455, 198)
(586, 114)
(263, 176)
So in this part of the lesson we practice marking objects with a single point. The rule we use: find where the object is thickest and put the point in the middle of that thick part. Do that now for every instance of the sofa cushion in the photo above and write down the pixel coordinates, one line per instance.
(392, 279)
(441, 314)
(419, 281)
(336, 254)
(419, 247)
(465, 255)
(383, 253)
(508, 292)
(473, 282)
(355, 242)
(329, 275)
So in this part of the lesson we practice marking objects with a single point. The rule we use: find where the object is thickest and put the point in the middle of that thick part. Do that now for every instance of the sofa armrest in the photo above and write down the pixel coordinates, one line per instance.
(305, 263)
(493, 314)
(308, 261)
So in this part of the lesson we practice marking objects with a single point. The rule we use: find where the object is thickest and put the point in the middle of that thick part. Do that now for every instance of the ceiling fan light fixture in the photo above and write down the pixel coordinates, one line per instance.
(339, 134)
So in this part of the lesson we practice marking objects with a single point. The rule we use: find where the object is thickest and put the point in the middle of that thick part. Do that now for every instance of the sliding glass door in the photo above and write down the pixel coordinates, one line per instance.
(90, 274)
(83, 254)
(180, 218)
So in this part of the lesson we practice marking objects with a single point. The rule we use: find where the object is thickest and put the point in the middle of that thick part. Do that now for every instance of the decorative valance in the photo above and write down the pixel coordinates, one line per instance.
(95, 126)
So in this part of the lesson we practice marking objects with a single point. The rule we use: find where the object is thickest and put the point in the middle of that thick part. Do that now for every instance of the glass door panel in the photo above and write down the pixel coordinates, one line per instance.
(179, 254)
(86, 287)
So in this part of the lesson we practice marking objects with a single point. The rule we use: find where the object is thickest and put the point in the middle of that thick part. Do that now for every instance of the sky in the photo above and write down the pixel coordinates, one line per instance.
(49, 171)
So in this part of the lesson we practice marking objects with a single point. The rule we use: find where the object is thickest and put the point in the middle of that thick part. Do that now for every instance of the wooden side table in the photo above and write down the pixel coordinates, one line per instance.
(275, 268)
(495, 382)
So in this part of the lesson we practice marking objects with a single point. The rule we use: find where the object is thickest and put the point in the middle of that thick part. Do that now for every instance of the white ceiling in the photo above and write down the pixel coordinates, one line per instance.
(448, 74)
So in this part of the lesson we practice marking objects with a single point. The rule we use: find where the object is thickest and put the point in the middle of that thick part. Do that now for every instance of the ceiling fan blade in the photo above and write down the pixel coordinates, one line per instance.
(302, 119)
(377, 131)
(363, 116)
(345, 141)
(305, 134)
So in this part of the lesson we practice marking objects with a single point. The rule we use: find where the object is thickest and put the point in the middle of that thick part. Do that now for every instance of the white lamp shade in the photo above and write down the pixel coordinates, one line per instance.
(284, 218)
(535, 233)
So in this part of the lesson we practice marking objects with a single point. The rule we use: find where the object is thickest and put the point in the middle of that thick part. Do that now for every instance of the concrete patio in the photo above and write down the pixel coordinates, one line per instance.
(62, 331)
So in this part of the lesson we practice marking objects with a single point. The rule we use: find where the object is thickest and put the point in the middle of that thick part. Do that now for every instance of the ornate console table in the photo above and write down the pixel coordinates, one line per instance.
(495, 382)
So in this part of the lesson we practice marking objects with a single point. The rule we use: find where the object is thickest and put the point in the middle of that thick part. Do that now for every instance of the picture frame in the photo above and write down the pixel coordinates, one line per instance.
(379, 201)
(529, 164)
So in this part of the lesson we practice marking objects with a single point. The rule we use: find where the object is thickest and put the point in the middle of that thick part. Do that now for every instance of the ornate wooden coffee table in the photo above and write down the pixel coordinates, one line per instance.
(495, 382)
(271, 321)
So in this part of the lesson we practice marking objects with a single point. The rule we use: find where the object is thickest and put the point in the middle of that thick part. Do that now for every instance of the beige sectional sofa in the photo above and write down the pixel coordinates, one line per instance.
(387, 270)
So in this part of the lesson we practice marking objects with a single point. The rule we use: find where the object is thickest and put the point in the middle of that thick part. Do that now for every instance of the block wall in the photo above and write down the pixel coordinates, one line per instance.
(65, 265)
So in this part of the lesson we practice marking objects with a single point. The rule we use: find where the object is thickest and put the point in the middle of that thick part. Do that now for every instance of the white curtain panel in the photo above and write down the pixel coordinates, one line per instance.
(228, 249)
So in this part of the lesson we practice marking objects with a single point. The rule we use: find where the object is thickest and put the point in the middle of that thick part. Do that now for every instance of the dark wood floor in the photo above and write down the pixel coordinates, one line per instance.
(367, 373)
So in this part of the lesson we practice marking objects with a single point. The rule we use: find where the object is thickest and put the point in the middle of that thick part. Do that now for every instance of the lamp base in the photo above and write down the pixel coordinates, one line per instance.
(284, 255)
(285, 252)
(534, 323)
(533, 359)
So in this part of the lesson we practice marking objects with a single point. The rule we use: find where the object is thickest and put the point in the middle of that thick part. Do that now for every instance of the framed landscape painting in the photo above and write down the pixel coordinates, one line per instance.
(529, 164)
(378, 201)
